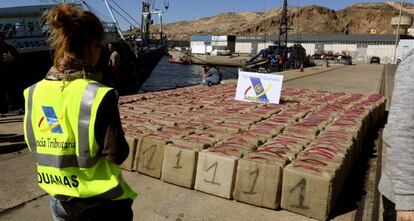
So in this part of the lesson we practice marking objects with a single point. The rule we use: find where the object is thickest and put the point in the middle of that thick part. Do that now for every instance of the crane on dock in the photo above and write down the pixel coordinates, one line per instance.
(280, 56)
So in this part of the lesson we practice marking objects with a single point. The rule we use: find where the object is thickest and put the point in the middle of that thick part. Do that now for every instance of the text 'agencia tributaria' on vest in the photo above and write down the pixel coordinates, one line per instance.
(54, 143)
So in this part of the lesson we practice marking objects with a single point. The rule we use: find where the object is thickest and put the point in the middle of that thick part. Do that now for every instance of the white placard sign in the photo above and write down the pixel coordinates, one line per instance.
(256, 87)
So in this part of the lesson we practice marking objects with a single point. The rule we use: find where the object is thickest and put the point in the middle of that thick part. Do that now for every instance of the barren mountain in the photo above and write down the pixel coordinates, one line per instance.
(313, 19)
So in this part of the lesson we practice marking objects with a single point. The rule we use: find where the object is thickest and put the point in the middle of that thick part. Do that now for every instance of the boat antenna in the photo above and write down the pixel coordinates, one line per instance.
(166, 4)
(114, 19)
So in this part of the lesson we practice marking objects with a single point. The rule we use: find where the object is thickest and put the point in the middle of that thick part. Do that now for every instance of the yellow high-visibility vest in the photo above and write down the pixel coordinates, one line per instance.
(59, 127)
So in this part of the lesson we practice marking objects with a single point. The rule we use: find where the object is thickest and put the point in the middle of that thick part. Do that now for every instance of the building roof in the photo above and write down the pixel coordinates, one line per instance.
(359, 39)
(204, 38)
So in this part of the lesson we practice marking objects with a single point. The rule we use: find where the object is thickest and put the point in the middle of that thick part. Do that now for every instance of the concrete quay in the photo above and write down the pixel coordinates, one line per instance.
(21, 199)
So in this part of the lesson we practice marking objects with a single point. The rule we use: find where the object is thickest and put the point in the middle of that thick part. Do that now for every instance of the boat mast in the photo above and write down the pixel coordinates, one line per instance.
(284, 26)
(160, 14)
(145, 21)
(114, 19)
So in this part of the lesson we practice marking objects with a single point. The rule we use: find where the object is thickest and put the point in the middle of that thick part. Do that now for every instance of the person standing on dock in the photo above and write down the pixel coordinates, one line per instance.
(397, 180)
(8, 85)
(211, 76)
(72, 126)
(114, 65)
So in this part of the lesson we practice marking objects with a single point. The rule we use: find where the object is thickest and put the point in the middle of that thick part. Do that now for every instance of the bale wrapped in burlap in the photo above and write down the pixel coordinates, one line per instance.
(246, 139)
(179, 165)
(151, 153)
(270, 130)
(129, 163)
(197, 142)
(308, 189)
(259, 180)
(229, 128)
(216, 172)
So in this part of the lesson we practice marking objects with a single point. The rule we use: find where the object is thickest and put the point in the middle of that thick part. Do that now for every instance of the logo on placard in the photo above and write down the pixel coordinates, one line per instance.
(258, 89)
(52, 120)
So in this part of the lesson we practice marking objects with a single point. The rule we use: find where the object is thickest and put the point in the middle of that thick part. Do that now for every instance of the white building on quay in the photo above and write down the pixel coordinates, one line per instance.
(360, 47)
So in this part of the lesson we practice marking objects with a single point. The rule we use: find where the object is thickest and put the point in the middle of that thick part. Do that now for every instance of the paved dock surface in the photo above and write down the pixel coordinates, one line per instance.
(21, 198)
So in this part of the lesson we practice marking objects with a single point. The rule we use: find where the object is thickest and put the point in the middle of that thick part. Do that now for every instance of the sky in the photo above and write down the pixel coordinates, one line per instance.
(180, 10)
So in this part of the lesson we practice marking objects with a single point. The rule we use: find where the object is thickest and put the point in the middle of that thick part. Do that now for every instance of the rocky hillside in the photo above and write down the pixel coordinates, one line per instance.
(357, 19)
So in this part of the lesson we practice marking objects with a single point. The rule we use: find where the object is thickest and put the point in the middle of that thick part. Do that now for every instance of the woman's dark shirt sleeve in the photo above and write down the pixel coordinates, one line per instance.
(108, 130)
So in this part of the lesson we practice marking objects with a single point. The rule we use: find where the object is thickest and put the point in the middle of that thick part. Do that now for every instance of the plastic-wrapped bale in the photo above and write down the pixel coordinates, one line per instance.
(245, 120)
(259, 180)
(240, 108)
(150, 117)
(229, 128)
(290, 144)
(301, 131)
(151, 153)
(277, 151)
(192, 126)
(196, 114)
(300, 140)
(238, 149)
(213, 133)
(350, 125)
(196, 142)
(293, 113)
(328, 157)
(177, 108)
(181, 132)
(268, 110)
(214, 119)
(246, 140)
(216, 171)
(280, 120)
(135, 109)
(176, 120)
(179, 165)
(271, 130)
(163, 121)
(206, 123)
(340, 142)
(255, 136)
(308, 189)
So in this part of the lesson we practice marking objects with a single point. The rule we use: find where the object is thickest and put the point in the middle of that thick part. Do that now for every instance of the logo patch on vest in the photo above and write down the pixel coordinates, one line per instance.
(52, 120)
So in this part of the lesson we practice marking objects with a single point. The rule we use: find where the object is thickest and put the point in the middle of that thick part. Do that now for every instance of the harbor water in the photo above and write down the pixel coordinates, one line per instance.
(167, 75)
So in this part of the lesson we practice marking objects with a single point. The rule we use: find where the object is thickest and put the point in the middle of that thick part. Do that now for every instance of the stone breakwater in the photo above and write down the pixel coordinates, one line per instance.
(295, 155)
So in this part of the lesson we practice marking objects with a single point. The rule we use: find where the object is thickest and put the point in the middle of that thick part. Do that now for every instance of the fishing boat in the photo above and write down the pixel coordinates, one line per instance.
(179, 55)
(25, 30)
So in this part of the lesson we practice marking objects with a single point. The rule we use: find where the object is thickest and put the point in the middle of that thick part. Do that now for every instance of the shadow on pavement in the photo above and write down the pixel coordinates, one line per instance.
(11, 143)
(12, 120)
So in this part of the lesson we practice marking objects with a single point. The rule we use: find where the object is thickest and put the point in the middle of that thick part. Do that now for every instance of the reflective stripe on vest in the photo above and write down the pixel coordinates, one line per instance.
(84, 160)
(110, 194)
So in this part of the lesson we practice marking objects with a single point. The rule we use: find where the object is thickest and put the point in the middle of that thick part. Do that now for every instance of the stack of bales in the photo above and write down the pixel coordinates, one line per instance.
(294, 155)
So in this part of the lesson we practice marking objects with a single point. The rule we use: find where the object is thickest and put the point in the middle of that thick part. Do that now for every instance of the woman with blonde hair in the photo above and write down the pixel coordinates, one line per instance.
(72, 126)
